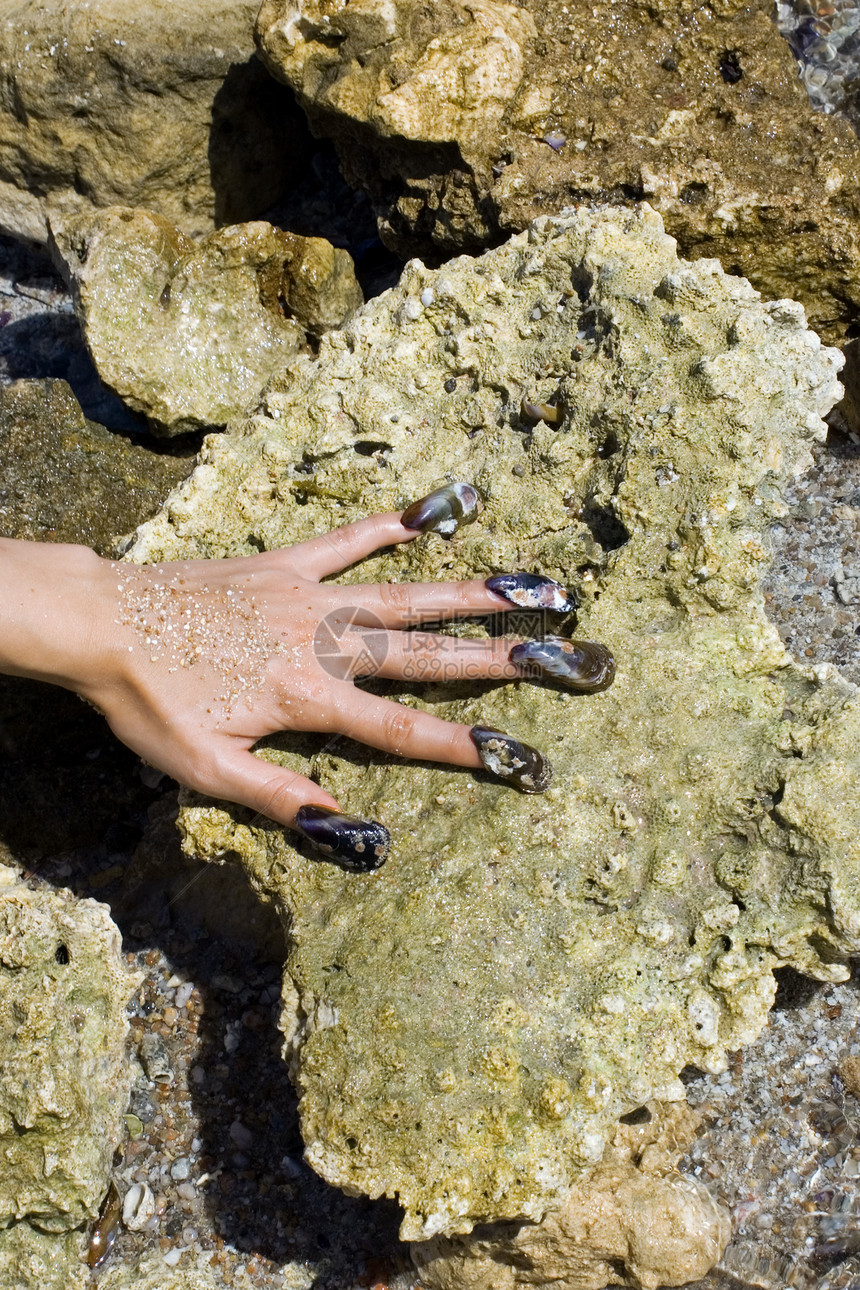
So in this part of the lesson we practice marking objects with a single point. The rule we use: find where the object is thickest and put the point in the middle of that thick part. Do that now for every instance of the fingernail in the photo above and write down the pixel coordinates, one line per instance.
(580, 665)
(532, 591)
(444, 510)
(510, 761)
(360, 845)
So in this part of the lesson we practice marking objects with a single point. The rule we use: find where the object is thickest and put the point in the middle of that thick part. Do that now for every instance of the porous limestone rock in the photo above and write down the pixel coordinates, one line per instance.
(188, 333)
(631, 1220)
(466, 1025)
(156, 103)
(466, 119)
(64, 1076)
(66, 479)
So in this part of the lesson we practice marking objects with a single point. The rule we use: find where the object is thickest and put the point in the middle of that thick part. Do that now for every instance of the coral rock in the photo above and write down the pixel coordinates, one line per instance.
(64, 1075)
(189, 333)
(466, 1025)
(630, 1221)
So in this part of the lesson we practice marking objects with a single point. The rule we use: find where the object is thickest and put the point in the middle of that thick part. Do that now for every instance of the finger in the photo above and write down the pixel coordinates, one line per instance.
(276, 792)
(408, 604)
(442, 511)
(407, 733)
(431, 658)
(335, 551)
(282, 795)
(393, 728)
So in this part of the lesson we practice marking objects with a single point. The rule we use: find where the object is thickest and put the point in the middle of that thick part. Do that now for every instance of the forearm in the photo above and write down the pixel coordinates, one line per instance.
(54, 612)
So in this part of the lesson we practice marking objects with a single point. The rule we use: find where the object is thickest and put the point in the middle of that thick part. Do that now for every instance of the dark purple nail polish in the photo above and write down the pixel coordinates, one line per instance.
(510, 761)
(580, 665)
(532, 591)
(359, 845)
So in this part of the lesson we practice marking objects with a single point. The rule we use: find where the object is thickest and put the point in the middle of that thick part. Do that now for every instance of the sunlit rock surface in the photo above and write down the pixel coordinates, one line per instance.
(64, 1077)
(188, 333)
(156, 103)
(466, 119)
(632, 1220)
(466, 1025)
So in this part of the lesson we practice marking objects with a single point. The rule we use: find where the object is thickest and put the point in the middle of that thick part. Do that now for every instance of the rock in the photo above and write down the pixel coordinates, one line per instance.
(524, 970)
(156, 103)
(631, 1221)
(35, 1260)
(64, 1076)
(156, 1059)
(66, 479)
(849, 1069)
(188, 333)
(468, 118)
(317, 282)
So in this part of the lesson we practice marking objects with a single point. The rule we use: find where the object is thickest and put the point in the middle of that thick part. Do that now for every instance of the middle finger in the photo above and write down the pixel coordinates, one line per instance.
(409, 604)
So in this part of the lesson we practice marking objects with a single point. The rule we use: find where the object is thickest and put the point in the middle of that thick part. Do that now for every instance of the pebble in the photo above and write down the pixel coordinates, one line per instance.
(184, 993)
(138, 1207)
(155, 1059)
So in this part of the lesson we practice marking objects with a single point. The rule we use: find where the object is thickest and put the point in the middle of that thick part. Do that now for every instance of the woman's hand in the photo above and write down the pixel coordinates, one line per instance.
(193, 662)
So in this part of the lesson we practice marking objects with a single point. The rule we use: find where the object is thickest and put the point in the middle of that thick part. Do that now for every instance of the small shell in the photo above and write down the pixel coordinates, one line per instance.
(551, 413)
(555, 139)
(104, 1231)
(579, 665)
(512, 762)
(444, 510)
(138, 1207)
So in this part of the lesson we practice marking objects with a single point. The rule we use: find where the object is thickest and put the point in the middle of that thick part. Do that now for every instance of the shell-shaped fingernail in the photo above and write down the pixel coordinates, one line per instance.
(444, 510)
(579, 665)
(510, 761)
(360, 845)
(532, 591)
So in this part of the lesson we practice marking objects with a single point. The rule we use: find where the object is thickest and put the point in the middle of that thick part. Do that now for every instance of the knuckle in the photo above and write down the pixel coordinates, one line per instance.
(395, 596)
(397, 728)
(275, 797)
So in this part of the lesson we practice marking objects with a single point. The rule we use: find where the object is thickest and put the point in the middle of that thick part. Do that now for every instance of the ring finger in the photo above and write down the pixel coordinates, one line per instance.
(429, 657)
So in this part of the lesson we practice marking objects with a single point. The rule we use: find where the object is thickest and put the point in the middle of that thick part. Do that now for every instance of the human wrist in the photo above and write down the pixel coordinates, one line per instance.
(55, 613)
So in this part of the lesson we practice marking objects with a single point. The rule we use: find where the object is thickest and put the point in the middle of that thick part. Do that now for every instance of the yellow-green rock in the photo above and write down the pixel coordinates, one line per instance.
(64, 1076)
(189, 333)
(467, 119)
(466, 1025)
